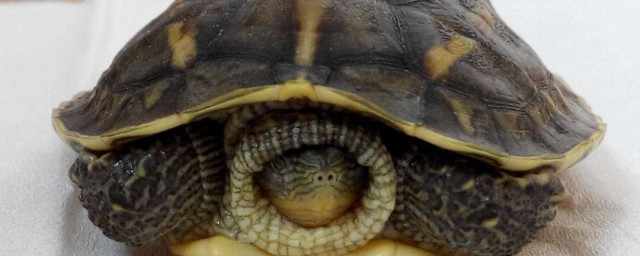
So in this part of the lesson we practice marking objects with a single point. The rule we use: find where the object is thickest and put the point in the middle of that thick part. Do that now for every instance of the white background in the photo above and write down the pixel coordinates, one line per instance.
(50, 50)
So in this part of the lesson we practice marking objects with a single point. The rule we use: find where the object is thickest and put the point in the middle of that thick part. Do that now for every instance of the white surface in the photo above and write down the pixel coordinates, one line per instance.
(49, 51)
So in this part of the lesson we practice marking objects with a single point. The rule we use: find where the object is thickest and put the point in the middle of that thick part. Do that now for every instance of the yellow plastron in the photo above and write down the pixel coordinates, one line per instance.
(223, 246)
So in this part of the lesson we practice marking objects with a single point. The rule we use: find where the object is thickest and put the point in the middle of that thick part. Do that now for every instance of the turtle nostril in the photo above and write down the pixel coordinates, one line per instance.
(330, 177)
(319, 178)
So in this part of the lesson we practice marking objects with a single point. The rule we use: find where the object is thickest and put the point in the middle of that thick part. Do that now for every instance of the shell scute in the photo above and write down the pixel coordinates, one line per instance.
(448, 72)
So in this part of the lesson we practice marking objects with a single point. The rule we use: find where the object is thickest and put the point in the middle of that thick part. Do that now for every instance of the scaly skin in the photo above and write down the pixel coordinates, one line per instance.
(288, 130)
(138, 193)
(452, 204)
(171, 185)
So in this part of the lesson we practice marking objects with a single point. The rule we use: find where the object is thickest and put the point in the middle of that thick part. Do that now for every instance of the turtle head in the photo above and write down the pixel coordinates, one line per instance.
(313, 186)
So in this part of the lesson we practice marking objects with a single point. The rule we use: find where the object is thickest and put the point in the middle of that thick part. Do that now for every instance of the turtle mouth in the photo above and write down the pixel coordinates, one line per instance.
(256, 135)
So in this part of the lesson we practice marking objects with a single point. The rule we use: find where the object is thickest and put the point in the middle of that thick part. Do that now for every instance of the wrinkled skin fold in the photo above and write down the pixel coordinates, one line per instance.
(444, 202)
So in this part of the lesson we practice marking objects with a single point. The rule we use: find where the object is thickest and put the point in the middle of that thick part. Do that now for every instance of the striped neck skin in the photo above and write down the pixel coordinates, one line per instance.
(320, 179)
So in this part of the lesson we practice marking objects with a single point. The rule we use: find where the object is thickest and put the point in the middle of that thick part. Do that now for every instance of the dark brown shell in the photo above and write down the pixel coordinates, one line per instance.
(450, 66)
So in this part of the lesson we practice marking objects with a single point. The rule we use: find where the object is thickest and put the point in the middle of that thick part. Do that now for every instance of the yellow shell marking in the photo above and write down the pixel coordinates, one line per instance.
(309, 17)
(463, 112)
(154, 94)
(483, 20)
(183, 44)
(487, 17)
(439, 59)
(299, 88)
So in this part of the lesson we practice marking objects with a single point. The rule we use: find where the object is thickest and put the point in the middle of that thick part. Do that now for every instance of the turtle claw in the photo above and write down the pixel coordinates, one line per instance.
(223, 246)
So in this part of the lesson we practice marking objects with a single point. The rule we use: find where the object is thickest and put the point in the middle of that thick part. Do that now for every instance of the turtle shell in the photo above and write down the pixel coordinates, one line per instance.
(448, 72)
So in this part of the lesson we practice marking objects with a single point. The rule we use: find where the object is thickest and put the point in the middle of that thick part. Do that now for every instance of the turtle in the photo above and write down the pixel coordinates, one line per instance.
(320, 127)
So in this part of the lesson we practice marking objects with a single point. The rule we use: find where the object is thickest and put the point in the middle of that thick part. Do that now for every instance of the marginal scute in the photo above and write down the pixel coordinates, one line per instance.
(270, 93)
(297, 89)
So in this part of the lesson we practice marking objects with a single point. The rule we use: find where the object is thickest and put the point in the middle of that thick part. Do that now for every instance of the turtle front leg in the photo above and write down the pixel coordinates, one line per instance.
(140, 192)
(452, 204)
